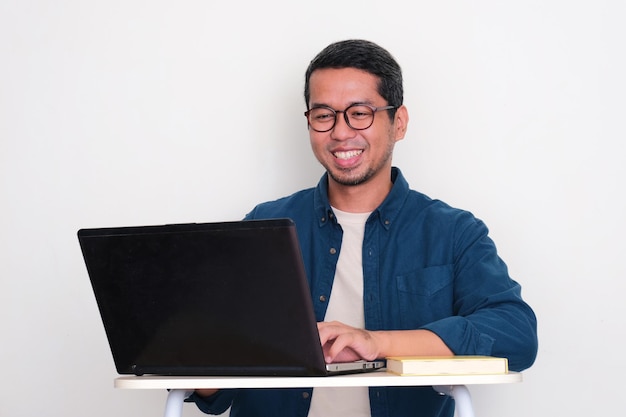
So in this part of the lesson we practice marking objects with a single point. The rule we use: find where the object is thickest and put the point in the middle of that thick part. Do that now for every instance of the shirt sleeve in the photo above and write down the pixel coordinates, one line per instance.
(491, 318)
(215, 404)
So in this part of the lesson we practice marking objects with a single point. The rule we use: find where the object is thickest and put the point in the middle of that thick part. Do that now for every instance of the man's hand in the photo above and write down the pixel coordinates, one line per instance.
(343, 343)
(206, 392)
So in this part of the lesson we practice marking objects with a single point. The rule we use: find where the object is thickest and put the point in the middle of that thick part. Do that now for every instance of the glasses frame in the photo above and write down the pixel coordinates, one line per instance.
(345, 115)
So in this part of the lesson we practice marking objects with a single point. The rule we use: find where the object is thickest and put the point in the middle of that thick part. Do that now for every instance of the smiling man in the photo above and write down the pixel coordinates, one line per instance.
(391, 271)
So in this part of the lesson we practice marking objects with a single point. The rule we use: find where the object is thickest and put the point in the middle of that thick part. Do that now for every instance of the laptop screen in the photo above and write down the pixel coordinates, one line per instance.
(204, 299)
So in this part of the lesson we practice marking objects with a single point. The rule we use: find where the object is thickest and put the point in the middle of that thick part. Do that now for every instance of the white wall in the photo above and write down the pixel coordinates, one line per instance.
(147, 112)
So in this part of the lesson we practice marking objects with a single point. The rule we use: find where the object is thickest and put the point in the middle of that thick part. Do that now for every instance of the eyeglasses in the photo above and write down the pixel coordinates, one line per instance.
(357, 116)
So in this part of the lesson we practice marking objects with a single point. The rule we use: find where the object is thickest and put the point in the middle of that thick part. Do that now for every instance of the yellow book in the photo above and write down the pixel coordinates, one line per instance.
(447, 365)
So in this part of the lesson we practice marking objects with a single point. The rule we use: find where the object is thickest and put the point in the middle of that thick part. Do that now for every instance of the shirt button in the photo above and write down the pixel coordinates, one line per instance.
(323, 298)
(305, 395)
(333, 251)
(387, 222)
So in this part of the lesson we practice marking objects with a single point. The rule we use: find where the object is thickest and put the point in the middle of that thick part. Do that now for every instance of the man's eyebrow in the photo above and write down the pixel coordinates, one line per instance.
(365, 102)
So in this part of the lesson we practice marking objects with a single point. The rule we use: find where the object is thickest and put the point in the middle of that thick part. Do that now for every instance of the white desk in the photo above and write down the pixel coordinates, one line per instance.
(181, 387)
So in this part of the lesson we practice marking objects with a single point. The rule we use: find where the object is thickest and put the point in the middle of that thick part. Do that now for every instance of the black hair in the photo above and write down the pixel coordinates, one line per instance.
(366, 56)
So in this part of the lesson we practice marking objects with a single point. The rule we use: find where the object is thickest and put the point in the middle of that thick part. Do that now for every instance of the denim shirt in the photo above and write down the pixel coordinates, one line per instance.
(426, 265)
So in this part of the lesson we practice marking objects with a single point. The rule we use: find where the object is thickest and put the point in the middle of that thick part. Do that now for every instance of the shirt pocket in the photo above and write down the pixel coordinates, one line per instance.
(425, 295)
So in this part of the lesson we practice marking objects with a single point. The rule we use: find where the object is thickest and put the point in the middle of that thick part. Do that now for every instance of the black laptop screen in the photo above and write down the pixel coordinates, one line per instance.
(204, 299)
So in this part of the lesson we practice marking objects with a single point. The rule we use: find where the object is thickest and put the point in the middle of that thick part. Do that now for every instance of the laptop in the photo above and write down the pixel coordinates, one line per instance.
(210, 299)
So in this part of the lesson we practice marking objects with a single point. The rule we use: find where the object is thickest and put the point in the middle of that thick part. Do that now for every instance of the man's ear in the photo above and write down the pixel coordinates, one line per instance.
(401, 121)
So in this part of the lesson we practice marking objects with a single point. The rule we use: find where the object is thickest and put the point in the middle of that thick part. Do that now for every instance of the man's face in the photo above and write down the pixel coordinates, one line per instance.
(353, 157)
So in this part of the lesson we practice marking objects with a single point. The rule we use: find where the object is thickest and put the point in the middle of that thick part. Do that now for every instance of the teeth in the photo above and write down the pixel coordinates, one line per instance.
(347, 155)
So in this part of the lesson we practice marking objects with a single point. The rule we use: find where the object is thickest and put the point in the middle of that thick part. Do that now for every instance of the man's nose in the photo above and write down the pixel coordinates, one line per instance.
(342, 130)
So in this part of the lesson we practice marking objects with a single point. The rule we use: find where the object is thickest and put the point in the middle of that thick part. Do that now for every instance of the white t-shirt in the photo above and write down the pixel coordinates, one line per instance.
(346, 305)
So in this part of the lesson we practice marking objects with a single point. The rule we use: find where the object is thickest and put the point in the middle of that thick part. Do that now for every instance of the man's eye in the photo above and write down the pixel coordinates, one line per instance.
(360, 113)
(324, 117)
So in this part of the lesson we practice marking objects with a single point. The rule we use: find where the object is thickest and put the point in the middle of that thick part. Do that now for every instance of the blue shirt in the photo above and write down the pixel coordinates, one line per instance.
(426, 265)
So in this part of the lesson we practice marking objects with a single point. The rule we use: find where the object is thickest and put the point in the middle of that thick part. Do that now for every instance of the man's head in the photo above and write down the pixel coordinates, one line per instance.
(355, 115)
(363, 55)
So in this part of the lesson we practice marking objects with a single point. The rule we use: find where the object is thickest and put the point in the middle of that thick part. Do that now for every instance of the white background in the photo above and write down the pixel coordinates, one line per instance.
(148, 112)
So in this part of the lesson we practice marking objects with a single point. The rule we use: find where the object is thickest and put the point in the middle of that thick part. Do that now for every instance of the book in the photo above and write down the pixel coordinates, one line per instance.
(447, 365)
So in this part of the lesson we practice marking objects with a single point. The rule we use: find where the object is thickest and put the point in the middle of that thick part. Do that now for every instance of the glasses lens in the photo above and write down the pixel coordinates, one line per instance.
(360, 117)
(322, 119)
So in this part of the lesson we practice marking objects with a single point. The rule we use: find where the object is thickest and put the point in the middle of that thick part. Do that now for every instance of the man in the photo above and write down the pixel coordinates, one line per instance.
(391, 271)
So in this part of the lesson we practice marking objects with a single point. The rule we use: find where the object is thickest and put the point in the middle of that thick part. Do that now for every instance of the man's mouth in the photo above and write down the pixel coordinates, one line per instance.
(347, 154)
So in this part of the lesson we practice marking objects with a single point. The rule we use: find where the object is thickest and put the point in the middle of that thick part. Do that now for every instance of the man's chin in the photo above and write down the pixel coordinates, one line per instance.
(349, 178)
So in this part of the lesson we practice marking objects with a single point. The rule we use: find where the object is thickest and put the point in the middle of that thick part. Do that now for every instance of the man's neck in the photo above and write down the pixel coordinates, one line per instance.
(362, 198)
